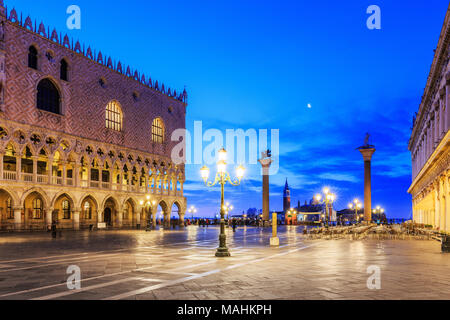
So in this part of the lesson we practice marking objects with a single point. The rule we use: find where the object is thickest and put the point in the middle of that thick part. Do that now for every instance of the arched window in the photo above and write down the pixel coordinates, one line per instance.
(32, 57)
(9, 209)
(158, 131)
(87, 210)
(37, 208)
(126, 210)
(48, 97)
(66, 209)
(64, 70)
(114, 116)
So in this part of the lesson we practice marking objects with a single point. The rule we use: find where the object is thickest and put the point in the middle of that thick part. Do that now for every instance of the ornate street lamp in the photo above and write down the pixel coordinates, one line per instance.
(356, 205)
(222, 177)
(328, 200)
(148, 204)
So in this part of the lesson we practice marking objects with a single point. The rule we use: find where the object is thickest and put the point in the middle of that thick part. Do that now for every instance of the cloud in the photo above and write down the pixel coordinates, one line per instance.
(338, 177)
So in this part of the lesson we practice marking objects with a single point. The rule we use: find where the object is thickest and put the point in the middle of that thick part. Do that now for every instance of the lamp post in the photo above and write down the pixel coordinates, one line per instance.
(192, 210)
(328, 200)
(222, 177)
(227, 209)
(148, 204)
(378, 210)
(356, 205)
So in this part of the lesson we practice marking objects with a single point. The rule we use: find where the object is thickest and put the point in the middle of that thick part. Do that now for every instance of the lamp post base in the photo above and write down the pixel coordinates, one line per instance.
(222, 252)
(274, 242)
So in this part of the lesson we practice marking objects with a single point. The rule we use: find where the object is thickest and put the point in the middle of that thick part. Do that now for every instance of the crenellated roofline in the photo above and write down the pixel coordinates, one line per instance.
(96, 57)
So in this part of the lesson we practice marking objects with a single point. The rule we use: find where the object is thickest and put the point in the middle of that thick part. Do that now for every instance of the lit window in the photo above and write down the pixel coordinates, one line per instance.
(37, 209)
(9, 209)
(114, 116)
(66, 209)
(87, 210)
(158, 131)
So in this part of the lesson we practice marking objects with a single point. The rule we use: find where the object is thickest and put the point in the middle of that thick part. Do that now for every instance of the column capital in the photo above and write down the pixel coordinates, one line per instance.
(367, 153)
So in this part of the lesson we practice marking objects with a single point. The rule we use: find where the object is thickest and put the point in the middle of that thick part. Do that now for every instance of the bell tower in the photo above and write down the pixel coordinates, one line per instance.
(286, 198)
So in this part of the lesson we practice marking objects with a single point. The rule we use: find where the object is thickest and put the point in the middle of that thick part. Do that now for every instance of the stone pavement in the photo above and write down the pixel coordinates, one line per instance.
(181, 265)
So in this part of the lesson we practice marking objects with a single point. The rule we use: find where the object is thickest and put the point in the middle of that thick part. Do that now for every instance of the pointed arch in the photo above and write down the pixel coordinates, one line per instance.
(39, 191)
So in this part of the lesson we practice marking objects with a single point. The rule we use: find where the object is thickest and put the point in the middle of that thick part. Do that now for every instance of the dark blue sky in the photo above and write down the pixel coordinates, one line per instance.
(258, 64)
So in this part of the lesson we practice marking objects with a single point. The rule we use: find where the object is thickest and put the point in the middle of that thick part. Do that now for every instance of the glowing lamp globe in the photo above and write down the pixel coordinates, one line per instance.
(221, 167)
(222, 154)
(204, 173)
(240, 171)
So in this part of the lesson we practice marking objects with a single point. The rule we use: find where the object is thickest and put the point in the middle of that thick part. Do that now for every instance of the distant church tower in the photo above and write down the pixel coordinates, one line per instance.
(286, 198)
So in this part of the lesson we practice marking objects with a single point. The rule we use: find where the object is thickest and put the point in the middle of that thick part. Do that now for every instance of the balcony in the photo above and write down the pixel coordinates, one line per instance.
(12, 176)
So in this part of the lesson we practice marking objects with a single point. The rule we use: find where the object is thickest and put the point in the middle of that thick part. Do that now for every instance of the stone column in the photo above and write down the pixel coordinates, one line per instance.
(35, 166)
(265, 163)
(447, 204)
(76, 218)
(138, 216)
(367, 154)
(120, 218)
(447, 107)
(181, 219)
(49, 216)
(50, 170)
(64, 172)
(76, 174)
(19, 168)
(1, 165)
(441, 203)
(18, 223)
(436, 205)
(100, 216)
(154, 210)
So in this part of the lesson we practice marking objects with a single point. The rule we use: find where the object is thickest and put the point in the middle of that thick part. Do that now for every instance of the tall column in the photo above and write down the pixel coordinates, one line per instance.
(18, 223)
(76, 218)
(367, 153)
(265, 162)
